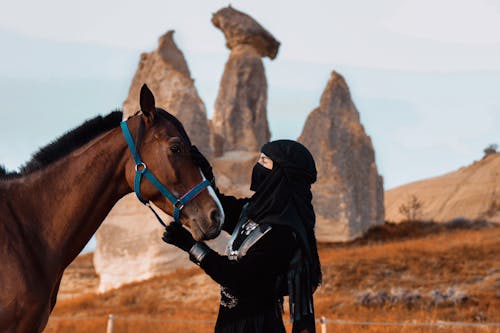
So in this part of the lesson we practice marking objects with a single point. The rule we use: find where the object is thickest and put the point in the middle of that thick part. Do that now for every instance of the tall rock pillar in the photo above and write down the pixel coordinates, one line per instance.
(349, 194)
(166, 73)
(128, 242)
(240, 118)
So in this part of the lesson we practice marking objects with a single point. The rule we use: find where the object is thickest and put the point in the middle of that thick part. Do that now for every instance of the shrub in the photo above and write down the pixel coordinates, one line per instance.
(491, 149)
(411, 209)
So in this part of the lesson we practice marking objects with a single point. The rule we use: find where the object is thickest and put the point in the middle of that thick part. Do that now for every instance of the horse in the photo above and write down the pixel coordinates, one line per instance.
(53, 206)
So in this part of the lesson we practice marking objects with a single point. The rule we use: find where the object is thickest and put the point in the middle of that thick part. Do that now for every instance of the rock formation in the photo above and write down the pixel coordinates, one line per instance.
(240, 118)
(348, 196)
(166, 73)
(129, 246)
(472, 192)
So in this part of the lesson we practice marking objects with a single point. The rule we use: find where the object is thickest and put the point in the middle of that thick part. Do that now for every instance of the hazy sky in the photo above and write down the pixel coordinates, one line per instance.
(396, 34)
(425, 75)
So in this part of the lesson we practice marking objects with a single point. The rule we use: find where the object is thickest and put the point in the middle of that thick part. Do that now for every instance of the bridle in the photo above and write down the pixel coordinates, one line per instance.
(141, 170)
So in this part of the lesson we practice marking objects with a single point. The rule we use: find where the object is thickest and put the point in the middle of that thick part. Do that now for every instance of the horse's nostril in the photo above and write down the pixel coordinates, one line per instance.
(215, 216)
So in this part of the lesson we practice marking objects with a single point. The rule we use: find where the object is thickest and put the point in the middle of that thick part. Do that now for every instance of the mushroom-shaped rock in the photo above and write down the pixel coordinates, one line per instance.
(240, 117)
(239, 29)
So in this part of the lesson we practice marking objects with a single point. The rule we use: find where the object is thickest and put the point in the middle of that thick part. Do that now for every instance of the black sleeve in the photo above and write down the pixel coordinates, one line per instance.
(232, 209)
(268, 257)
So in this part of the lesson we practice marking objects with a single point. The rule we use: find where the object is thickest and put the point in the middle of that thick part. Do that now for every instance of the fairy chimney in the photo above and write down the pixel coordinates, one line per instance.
(166, 73)
(129, 246)
(240, 118)
(348, 196)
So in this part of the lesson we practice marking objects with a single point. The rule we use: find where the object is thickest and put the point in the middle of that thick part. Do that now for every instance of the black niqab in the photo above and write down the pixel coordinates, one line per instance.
(259, 175)
(284, 198)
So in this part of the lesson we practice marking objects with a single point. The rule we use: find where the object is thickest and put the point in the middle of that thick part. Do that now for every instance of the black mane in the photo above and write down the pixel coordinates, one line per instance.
(177, 124)
(65, 144)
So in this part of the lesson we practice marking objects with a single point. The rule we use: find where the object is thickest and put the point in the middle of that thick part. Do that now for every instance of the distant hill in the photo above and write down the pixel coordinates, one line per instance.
(472, 192)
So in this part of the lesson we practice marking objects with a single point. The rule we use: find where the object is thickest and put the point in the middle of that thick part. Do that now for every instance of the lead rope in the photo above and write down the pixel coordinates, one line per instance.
(156, 214)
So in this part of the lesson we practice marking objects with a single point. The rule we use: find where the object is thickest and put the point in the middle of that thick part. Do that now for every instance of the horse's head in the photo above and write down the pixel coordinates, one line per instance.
(166, 150)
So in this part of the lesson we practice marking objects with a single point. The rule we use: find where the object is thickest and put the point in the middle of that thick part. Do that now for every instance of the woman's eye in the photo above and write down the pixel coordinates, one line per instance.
(175, 149)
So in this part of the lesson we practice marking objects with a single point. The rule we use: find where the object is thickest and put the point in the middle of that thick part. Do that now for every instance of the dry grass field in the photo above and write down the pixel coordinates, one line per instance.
(411, 272)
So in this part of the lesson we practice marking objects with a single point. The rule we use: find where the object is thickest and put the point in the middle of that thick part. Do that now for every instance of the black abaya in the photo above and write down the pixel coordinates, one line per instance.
(250, 302)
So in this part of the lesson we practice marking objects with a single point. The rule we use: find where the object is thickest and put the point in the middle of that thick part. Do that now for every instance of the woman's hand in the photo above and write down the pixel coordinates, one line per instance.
(179, 236)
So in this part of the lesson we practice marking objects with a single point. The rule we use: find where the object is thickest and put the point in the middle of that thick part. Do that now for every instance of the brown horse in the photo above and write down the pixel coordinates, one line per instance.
(52, 208)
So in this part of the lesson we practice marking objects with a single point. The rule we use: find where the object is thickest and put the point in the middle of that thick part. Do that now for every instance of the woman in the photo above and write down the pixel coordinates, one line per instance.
(272, 251)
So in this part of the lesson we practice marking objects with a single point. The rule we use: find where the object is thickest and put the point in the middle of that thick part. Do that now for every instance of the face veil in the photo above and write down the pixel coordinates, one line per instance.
(284, 197)
(259, 175)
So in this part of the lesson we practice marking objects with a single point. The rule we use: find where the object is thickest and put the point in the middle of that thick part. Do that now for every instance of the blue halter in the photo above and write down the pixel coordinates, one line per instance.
(142, 170)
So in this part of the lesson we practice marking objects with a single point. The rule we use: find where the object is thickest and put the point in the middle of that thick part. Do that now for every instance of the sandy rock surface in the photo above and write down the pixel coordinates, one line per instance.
(471, 192)
(166, 73)
(349, 195)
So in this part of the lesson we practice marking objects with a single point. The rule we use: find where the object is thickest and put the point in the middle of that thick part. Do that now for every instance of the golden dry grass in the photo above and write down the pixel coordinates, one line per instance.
(394, 274)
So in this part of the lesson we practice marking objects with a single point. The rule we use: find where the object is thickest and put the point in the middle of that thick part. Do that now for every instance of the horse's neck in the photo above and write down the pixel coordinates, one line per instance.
(67, 201)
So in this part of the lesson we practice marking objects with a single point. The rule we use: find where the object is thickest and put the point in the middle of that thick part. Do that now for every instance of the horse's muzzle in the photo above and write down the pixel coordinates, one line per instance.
(216, 221)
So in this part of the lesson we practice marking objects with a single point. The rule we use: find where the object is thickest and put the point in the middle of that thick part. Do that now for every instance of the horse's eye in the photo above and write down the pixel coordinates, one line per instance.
(175, 149)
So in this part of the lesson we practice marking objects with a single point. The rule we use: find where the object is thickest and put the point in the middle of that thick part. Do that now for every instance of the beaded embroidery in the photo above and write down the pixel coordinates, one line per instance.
(227, 299)
(248, 227)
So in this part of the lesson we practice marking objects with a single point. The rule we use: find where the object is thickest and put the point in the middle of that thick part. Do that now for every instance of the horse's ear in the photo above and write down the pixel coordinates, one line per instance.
(147, 102)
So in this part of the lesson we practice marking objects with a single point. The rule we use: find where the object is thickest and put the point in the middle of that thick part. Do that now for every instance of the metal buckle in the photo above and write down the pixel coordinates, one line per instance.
(141, 167)
(233, 255)
(179, 205)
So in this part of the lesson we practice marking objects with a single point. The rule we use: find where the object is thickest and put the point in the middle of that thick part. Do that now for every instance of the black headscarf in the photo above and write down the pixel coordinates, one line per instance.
(284, 198)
